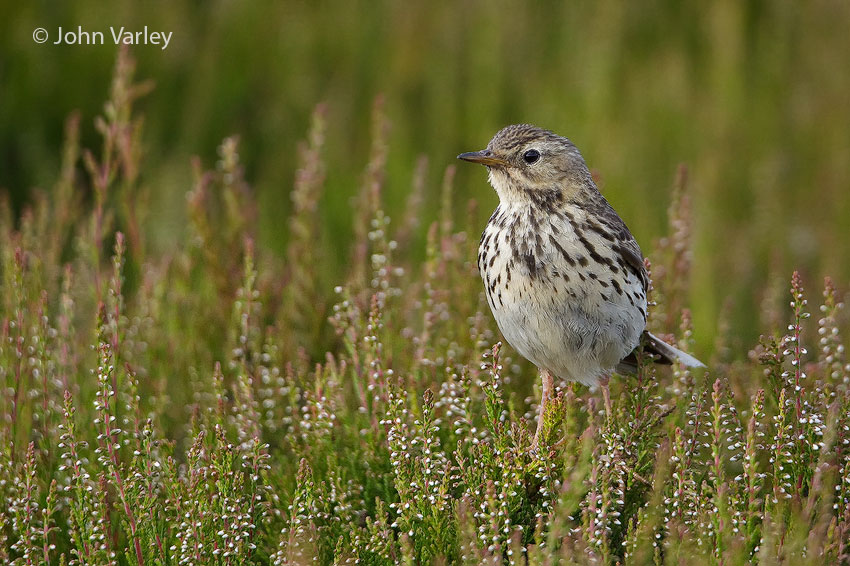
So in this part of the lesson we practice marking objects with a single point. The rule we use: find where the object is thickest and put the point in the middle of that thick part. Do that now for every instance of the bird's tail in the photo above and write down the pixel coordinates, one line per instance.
(664, 353)
(669, 354)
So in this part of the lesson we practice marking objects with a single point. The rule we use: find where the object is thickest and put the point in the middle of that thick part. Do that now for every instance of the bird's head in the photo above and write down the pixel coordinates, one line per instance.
(529, 163)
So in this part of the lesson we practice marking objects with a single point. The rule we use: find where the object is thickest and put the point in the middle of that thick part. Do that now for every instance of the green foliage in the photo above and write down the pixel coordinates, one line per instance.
(749, 94)
(206, 406)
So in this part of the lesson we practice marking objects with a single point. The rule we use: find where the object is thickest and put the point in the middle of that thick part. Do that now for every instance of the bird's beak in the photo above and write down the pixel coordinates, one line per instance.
(484, 157)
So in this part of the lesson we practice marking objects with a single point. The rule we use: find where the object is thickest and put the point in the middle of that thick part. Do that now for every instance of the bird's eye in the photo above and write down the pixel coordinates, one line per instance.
(531, 156)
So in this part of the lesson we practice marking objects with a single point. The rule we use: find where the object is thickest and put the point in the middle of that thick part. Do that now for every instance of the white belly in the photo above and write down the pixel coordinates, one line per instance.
(557, 315)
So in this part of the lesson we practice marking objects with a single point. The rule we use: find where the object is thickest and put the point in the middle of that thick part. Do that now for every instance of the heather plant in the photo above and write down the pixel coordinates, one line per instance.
(222, 404)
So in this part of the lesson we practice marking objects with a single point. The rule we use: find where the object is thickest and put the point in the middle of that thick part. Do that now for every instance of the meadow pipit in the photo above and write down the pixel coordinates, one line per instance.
(564, 277)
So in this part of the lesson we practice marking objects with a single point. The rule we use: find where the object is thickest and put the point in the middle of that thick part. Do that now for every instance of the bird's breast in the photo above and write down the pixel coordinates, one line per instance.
(558, 292)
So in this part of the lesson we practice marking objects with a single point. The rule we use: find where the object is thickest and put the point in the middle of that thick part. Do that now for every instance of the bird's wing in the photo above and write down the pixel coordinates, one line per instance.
(624, 243)
(630, 251)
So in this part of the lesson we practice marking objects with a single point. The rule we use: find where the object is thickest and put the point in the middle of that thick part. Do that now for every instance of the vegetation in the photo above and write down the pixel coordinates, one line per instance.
(213, 405)
(750, 95)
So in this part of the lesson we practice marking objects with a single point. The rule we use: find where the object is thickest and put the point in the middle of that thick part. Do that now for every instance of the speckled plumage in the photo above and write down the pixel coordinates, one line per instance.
(564, 277)
(559, 292)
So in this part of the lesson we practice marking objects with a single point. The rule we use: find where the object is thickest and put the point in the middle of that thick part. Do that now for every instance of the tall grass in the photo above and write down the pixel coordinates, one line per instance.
(751, 95)
(214, 406)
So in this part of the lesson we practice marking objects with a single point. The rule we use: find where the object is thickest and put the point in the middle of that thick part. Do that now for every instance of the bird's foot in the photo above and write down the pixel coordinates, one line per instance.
(606, 397)
(548, 388)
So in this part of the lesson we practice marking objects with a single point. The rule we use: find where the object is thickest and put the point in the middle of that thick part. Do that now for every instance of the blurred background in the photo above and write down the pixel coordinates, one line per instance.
(753, 97)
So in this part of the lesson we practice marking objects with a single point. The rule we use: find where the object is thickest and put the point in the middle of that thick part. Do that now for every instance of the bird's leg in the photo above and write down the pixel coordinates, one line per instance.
(548, 386)
(606, 396)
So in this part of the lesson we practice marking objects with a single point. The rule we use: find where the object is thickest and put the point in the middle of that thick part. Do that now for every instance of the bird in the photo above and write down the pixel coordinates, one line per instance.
(563, 275)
